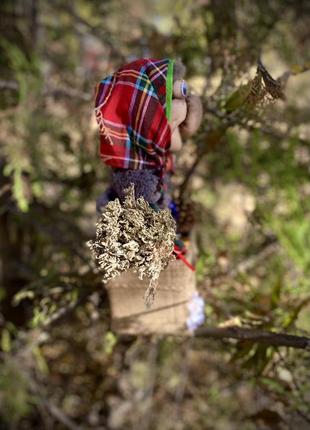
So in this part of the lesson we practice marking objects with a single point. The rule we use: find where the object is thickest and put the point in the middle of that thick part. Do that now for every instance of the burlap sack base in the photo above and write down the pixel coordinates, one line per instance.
(169, 311)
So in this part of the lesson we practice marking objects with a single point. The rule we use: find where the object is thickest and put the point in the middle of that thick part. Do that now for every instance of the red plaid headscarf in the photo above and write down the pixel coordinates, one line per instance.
(133, 107)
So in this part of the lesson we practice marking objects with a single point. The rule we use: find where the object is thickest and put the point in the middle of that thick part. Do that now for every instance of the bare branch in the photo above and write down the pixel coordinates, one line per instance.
(8, 85)
(50, 91)
(60, 416)
(253, 335)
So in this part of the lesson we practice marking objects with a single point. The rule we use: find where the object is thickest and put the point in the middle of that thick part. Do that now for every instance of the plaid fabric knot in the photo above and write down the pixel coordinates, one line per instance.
(133, 108)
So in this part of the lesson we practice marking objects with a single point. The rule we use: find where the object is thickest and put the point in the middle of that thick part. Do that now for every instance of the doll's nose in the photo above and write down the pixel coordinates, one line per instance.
(180, 89)
(179, 112)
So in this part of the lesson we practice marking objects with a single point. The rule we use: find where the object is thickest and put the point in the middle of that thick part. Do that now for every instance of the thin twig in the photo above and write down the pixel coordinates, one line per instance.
(233, 120)
(189, 174)
(184, 373)
(8, 85)
(60, 416)
(51, 91)
(149, 392)
(251, 262)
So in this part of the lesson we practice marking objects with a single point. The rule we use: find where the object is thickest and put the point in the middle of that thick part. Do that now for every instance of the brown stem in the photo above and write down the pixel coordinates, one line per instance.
(253, 335)
(189, 174)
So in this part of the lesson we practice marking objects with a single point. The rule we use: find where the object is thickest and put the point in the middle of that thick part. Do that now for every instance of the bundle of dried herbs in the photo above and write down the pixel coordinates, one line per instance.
(132, 235)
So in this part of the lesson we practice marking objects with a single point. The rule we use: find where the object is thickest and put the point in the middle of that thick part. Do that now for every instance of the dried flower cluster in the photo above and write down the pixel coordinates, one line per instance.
(264, 88)
(134, 236)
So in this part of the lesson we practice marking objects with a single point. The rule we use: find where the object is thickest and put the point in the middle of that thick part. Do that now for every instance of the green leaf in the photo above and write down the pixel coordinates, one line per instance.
(41, 362)
(19, 191)
(238, 98)
(6, 340)
(109, 342)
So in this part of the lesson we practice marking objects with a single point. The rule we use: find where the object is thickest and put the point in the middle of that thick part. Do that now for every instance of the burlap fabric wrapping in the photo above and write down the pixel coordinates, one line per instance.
(169, 312)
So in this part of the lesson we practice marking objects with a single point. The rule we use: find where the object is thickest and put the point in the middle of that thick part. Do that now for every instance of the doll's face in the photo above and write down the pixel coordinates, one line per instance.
(186, 114)
(179, 113)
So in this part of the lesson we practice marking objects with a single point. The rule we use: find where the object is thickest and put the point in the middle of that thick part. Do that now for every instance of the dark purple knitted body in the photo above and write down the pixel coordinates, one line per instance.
(145, 183)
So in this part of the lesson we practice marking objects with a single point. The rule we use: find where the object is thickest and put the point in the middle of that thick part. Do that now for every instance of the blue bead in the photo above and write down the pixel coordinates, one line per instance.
(174, 210)
(184, 89)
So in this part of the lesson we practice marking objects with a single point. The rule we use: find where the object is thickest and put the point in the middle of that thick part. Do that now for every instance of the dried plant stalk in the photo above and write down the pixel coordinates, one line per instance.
(133, 235)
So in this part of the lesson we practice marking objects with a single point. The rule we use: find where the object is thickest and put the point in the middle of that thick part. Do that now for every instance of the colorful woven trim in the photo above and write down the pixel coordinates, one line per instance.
(169, 88)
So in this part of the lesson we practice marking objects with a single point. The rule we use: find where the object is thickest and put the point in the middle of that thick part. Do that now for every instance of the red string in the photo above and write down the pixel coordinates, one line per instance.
(180, 255)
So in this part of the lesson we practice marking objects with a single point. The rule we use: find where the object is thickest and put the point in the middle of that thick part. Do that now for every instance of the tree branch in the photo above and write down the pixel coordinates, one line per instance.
(253, 335)
(50, 91)
(60, 416)
(8, 85)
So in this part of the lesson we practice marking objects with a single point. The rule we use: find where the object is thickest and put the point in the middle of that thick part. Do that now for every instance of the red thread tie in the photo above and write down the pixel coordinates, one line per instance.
(180, 255)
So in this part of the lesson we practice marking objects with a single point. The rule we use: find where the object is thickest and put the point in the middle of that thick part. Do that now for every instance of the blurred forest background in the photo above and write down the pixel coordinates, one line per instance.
(247, 170)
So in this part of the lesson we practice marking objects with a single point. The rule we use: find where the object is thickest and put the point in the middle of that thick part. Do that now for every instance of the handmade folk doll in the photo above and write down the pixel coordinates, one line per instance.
(143, 111)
